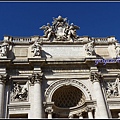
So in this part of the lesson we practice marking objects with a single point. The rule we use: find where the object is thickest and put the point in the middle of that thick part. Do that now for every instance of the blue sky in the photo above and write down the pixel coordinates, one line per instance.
(95, 19)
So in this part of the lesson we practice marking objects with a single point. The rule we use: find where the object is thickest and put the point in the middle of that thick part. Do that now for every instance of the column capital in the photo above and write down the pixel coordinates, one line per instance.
(35, 78)
(95, 76)
(4, 78)
(49, 110)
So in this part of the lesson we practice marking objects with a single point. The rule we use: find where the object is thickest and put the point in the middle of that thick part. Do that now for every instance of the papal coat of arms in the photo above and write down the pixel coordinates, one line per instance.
(60, 30)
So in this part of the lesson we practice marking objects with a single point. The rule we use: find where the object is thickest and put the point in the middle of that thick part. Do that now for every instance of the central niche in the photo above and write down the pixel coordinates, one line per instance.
(68, 96)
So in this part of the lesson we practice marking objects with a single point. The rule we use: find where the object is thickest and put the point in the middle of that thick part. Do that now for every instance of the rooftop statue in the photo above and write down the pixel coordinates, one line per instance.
(89, 48)
(4, 48)
(60, 30)
(36, 49)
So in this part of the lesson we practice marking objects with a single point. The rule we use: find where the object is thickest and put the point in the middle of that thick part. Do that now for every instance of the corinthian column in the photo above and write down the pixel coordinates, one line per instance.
(95, 78)
(3, 79)
(36, 80)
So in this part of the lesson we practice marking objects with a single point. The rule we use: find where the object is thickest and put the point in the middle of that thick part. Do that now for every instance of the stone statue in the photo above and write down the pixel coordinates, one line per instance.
(60, 30)
(4, 49)
(36, 49)
(89, 48)
(71, 34)
(48, 31)
(117, 51)
(19, 93)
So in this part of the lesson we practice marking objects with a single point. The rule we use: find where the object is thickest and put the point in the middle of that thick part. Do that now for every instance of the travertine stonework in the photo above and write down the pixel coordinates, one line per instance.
(59, 74)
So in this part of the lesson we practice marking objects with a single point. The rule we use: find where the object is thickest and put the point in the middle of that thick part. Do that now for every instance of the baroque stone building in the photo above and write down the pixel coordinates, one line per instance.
(59, 74)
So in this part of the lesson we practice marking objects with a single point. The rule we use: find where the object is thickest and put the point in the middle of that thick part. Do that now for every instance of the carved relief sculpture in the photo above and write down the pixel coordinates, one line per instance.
(113, 88)
(19, 93)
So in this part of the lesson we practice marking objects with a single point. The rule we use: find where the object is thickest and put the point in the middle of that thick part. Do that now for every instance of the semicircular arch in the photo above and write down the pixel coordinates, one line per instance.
(59, 83)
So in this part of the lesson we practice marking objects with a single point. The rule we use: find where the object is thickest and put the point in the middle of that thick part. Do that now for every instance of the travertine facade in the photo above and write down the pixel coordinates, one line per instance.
(59, 74)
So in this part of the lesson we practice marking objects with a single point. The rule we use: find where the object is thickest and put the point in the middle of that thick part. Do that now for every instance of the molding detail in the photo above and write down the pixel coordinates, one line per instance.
(54, 86)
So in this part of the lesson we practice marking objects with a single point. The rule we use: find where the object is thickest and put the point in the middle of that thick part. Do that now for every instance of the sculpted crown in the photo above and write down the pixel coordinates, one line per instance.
(60, 30)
